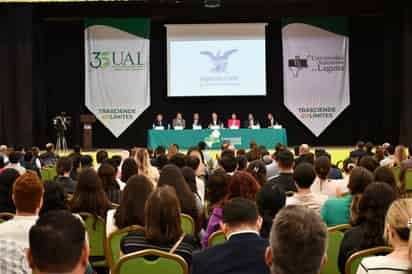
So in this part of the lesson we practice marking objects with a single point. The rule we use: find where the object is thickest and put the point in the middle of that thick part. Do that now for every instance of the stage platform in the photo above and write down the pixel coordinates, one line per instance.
(338, 153)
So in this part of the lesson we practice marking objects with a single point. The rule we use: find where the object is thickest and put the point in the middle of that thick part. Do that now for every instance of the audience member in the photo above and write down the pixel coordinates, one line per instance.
(86, 161)
(28, 198)
(304, 176)
(54, 197)
(369, 146)
(297, 242)
(131, 208)
(171, 175)
(323, 185)
(370, 226)
(107, 175)
(129, 169)
(89, 195)
(28, 162)
(2, 164)
(285, 182)
(14, 162)
(369, 163)
(242, 162)
(190, 178)
(258, 170)
(243, 184)
(385, 175)
(101, 157)
(400, 155)
(144, 166)
(405, 165)
(228, 161)
(304, 149)
(269, 204)
(163, 229)
(345, 210)
(193, 162)
(58, 244)
(63, 167)
(244, 250)
(397, 235)
(48, 158)
(359, 152)
(178, 160)
(7, 178)
(389, 160)
(195, 152)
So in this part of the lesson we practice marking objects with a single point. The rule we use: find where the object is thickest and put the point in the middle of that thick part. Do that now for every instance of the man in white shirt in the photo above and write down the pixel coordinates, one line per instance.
(28, 198)
(304, 175)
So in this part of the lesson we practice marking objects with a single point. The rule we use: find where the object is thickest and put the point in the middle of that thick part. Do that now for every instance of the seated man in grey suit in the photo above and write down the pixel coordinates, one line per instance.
(297, 242)
(179, 121)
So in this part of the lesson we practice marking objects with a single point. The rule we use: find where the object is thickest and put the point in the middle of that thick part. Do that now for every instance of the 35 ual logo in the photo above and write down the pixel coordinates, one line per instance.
(118, 60)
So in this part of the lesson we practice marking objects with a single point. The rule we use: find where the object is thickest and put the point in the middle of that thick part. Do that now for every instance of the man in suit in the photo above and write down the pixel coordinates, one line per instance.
(215, 121)
(158, 122)
(270, 121)
(297, 242)
(179, 121)
(250, 122)
(244, 250)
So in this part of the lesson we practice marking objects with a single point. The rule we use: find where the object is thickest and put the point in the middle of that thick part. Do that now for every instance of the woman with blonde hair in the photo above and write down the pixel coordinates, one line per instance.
(400, 155)
(144, 166)
(397, 234)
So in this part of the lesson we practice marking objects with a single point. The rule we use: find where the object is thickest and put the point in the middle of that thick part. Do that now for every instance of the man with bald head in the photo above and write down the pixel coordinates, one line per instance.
(304, 155)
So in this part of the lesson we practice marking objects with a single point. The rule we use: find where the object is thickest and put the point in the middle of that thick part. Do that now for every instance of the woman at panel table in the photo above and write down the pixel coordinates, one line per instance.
(251, 122)
(159, 122)
(215, 121)
(233, 122)
(196, 121)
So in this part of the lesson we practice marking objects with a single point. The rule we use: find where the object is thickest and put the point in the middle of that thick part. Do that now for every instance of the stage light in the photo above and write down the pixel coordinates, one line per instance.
(212, 3)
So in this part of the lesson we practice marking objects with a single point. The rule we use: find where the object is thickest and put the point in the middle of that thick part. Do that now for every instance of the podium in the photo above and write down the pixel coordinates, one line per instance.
(87, 120)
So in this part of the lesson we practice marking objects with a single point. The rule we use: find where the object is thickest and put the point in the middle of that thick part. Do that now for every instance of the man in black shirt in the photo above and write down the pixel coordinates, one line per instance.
(284, 180)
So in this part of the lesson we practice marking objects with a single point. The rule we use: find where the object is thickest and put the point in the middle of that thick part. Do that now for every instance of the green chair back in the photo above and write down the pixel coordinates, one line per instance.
(335, 236)
(52, 172)
(113, 244)
(408, 179)
(165, 263)
(5, 216)
(216, 238)
(96, 230)
(44, 173)
(396, 171)
(355, 259)
(188, 224)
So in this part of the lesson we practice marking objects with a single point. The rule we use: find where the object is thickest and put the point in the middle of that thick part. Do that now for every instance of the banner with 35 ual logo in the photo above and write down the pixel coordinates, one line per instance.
(316, 69)
(117, 70)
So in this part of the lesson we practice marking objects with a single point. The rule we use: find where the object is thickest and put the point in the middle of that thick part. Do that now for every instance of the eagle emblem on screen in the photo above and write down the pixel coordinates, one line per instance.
(219, 60)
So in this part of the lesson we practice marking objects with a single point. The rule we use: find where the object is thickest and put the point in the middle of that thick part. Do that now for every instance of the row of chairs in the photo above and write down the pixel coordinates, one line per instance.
(408, 177)
(335, 236)
(48, 173)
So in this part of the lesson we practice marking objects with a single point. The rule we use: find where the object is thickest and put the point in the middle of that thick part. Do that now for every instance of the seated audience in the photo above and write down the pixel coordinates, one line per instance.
(14, 162)
(345, 210)
(359, 152)
(54, 197)
(397, 235)
(190, 178)
(89, 195)
(179, 121)
(304, 150)
(63, 167)
(254, 152)
(323, 185)
(172, 176)
(13, 258)
(244, 250)
(107, 175)
(258, 170)
(242, 163)
(194, 163)
(178, 160)
(86, 161)
(144, 166)
(385, 175)
(284, 180)
(195, 152)
(228, 161)
(369, 163)
(131, 208)
(48, 158)
(369, 146)
(240, 184)
(269, 204)
(368, 231)
(58, 244)
(172, 151)
(400, 155)
(28, 198)
(304, 176)
(101, 157)
(116, 162)
(389, 159)
(29, 163)
(405, 165)
(7, 178)
(162, 228)
(129, 169)
(297, 242)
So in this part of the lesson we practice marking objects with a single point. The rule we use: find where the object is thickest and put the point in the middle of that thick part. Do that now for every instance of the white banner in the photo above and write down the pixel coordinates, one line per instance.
(117, 70)
(316, 69)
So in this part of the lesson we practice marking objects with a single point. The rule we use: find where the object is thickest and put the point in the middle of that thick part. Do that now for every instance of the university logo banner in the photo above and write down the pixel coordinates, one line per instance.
(316, 69)
(117, 70)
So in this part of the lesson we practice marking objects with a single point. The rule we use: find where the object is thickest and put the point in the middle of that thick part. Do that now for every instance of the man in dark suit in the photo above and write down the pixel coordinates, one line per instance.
(159, 122)
(244, 250)
(269, 122)
(359, 152)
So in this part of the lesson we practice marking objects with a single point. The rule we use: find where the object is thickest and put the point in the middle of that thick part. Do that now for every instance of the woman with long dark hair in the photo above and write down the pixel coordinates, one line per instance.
(107, 174)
